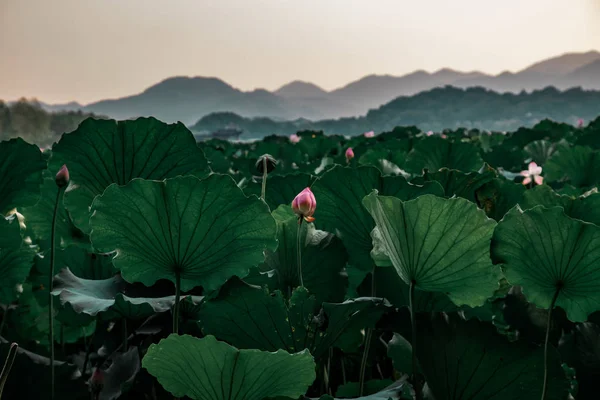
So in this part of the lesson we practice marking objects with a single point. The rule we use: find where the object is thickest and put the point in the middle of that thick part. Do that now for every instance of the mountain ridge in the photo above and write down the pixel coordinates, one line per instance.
(187, 99)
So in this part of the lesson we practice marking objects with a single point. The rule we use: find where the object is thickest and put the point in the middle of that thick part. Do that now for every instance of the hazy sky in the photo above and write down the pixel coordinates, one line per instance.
(85, 50)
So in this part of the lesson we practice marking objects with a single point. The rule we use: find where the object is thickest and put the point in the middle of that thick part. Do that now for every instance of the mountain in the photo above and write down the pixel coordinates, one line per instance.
(564, 64)
(188, 98)
(184, 99)
(586, 76)
(436, 109)
(300, 89)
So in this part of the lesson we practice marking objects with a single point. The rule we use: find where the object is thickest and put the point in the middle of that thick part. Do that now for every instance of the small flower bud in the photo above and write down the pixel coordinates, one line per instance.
(304, 205)
(294, 138)
(62, 177)
(270, 161)
(349, 154)
(369, 134)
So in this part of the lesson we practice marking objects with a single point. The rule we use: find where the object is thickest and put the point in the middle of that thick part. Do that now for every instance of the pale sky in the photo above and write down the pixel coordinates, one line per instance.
(87, 50)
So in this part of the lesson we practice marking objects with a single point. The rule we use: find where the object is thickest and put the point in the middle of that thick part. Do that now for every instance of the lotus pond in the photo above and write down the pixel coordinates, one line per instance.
(400, 265)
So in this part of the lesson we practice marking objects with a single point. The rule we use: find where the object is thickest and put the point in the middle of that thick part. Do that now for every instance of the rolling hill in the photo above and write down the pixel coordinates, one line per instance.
(188, 98)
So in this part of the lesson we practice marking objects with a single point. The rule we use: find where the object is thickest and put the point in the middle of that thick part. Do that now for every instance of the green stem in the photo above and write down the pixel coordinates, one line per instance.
(552, 304)
(264, 179)
(299, 251)
(124, 331)
(368, 339)
(12, 353)
(51, 299)
(177, 297)
(413, 323)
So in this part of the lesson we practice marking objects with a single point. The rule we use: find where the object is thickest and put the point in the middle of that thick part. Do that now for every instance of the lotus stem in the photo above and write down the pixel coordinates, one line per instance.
(368, 339)
(413, 324)
(50, 284)
(177, 296)
(552, 304)
(264, 179)
(299, 252)
(12, 353)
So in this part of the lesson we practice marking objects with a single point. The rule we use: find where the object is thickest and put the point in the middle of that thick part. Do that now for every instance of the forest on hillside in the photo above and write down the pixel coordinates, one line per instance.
(436, 110)
(28, 120)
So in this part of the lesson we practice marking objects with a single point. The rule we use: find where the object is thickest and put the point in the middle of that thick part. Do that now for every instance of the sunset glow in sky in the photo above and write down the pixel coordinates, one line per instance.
(86, 50)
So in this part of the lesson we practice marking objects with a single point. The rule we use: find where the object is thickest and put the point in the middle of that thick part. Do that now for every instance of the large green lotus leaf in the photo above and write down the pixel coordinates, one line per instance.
(323, 259)
(441, 245)
(339, 194)
(106, 295)
(39, 220)
(16, 258)
(79, 261)
(585, 207)
(578, 165)
(470, 360)
(250, 317)
(545, 251)
(205, 369)
(433, 153)
(280, 189)
(204, 230)
(457, 183)
(86, 295)
(30, 377)
(102, 152)
(21, 166)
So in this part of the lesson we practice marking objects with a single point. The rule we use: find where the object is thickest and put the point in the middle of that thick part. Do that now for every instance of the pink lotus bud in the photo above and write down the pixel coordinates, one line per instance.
(369, 134)
(349, 154)
(62, 177)
(304, 205)
(429, 133)
(580, 123)
(294, 138)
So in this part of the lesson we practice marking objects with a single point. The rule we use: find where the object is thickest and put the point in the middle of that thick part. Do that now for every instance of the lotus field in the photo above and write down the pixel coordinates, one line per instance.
(137, 263)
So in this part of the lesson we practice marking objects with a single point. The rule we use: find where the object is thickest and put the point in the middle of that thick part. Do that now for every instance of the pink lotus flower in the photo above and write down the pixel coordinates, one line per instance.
(349, 154)
(580, 123)
(62, 177)
(304, 205)
(294, 138)
(533, 173)
(369, 134)
(443, 136)
(429, 133)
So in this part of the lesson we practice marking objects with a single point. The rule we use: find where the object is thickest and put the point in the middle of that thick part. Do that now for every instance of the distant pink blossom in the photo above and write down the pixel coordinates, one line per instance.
(369, 134)
(429, 133)
(443, 136)
(349, 154)
(533, 172)
(580, 123)
(294, 138)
